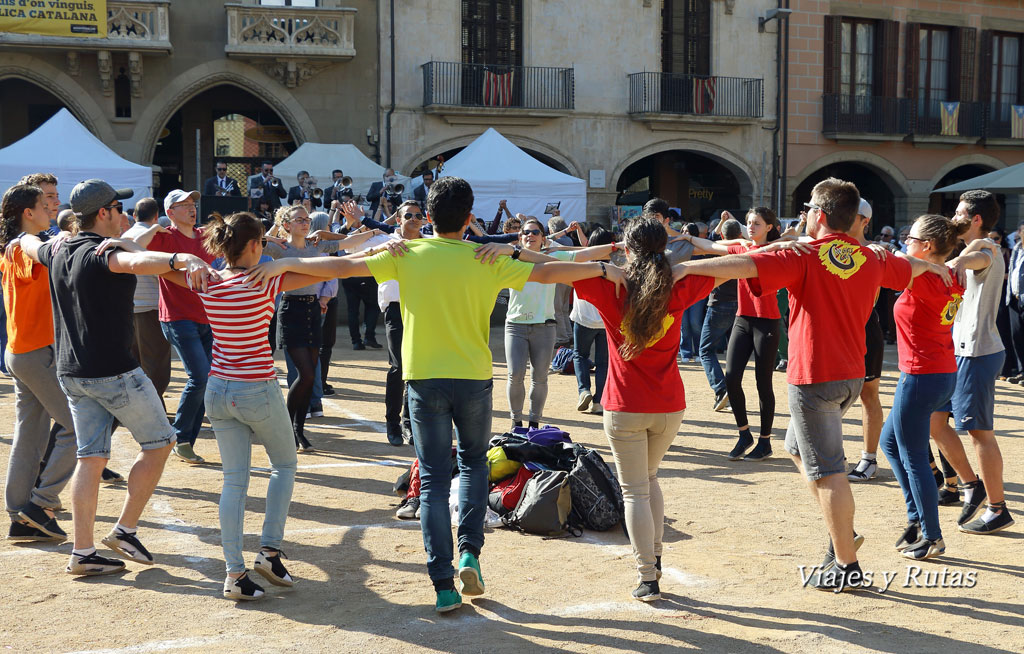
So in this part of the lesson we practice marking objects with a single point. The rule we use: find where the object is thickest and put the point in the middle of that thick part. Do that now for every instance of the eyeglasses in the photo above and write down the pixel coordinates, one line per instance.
(263, 242)
(535, 232)
(184, 205)
(914, 238)
(301, 220)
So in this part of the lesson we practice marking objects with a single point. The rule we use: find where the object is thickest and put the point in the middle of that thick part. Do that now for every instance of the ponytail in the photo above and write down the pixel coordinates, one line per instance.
(228, 237)
(648, 285)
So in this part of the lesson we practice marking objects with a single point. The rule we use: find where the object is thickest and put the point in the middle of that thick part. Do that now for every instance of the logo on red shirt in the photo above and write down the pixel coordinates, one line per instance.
(840, 258)
(951, 308)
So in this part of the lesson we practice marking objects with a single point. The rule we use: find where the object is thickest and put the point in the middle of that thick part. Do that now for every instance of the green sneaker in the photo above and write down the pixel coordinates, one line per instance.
(185, 452)
(470, 575)
(447, 600)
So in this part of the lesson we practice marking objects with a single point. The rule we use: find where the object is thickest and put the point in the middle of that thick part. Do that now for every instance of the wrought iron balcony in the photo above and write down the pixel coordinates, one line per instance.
(448, 84)
(307, 33)
(948, 121)
(706, 96)
(859, 117)
(135, 25)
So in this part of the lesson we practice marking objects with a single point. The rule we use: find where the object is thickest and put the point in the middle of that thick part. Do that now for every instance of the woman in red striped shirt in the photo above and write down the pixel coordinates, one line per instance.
(243, 398)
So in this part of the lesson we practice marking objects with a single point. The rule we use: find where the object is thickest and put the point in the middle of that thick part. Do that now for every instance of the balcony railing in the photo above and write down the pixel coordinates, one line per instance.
(306, 32)
(454, 84)
(138, 25)
(868, 115)
(948, 119)
(696, 95)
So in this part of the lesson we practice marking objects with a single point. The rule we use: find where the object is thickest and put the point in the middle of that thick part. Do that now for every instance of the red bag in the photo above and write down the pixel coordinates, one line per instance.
(505, 494)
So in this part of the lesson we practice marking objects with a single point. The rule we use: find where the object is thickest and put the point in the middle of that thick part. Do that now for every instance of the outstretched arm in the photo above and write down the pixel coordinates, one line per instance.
(321, 267)
(734, 266)
(561, 272)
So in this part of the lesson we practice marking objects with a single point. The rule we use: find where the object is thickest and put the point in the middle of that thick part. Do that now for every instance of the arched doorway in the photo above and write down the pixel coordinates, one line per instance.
(24, 106)
(945, 203)
(873, 187)
(234, 125)
(699, 186)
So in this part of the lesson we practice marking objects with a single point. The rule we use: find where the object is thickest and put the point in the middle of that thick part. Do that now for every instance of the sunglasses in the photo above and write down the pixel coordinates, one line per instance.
(222, 169)
(116, 205)
(812, 206)
(535, 232)
(414, 216)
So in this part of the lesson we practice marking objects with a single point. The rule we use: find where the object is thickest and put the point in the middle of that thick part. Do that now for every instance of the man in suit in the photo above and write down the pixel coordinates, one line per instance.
(221, 184)
(420, 194)
(333, 192)
(302, 191)
(265, 183)
(377, 188)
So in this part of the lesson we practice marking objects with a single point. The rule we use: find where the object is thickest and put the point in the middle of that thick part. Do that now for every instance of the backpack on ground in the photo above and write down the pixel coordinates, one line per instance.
(505, 495)
(545, 505)
(597, 501)
(562, 362)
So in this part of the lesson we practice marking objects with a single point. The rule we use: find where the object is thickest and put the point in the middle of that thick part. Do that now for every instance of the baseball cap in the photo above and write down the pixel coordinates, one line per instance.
(179, 195)
(865, 209)
(90, 196)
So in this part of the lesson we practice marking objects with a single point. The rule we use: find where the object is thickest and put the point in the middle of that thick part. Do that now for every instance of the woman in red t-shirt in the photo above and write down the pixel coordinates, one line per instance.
(924, 316)
(643, 396)
(756, 330)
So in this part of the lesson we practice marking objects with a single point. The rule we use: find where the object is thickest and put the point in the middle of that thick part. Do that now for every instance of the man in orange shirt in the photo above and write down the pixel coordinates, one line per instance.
(30, 359)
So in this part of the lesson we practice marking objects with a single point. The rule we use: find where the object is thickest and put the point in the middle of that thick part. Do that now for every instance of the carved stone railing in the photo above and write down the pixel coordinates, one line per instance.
(308, 33)
(132, 25)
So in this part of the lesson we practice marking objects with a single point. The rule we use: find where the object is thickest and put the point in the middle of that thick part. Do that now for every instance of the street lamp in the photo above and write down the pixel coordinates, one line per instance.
(772, 14)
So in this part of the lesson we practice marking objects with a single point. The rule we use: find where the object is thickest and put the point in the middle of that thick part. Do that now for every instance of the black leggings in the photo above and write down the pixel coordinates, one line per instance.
(759, 336)
(301, 390)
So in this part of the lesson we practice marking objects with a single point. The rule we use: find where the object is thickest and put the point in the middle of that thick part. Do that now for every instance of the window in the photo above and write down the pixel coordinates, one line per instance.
(686, 37)
(856, 65)
(933, 69)
(492, 32)
(1005, 75)
(122, 96)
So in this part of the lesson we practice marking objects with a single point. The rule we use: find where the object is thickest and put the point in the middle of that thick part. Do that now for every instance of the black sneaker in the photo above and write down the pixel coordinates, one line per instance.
(721, 401)
(925, 549)
(270, 566)
(328, 390)
(407, 434)
(395, 435)
(839, 578)
(358, 346)
(977, 501)
(743, 444)
(996, 524)
(128, 546)
(408, 509)
(830, 555)
(647, 591)
(243, 588)
(92, 565)
(19, 531)
(761, 451)
(374, 344)
(911, 535)
(37, 517)
(948, 496)
(111, 477)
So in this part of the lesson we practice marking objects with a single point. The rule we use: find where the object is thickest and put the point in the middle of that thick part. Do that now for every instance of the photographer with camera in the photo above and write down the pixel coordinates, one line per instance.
(388, 186)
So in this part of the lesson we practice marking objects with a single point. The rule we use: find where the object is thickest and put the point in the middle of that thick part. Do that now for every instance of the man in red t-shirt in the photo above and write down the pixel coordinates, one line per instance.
(183, 317)
(832, 283)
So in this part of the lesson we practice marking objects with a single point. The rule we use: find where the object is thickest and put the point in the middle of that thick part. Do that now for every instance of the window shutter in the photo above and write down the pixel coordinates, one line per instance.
(961, 83)
(985, 80)
(913, 50)
(887, 58)
(832, 56)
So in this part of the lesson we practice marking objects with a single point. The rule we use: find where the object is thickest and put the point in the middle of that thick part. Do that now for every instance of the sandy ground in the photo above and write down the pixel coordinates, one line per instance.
(736, 534)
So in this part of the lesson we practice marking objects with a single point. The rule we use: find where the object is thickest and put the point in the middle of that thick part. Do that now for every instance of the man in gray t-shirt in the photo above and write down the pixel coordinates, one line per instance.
(678, 251)
(979, 354)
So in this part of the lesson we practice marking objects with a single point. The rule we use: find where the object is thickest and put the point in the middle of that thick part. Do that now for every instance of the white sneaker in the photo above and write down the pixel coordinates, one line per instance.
(864, 471)
(584, 403)
(597, 409)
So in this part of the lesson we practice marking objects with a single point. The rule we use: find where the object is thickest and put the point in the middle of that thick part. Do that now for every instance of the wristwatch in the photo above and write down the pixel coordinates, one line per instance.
(516, 251)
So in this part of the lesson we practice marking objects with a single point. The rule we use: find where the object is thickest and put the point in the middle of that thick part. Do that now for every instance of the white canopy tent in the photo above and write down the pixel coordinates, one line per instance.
(321, 158)
(64, 147)
(498, 170)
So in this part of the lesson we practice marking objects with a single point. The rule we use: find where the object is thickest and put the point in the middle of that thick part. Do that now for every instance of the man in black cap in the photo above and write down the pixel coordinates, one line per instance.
(93, 290)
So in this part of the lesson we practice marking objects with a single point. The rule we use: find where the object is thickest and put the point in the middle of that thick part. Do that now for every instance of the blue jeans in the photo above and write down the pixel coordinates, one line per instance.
(583, 338)
(435, 404)
(693, 323)
(717, 323)
(905, 443)
(243, 412)
(193, 342)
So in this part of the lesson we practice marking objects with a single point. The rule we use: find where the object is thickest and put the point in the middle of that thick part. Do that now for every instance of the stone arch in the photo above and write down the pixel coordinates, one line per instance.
(886, 170)
(965, 160)
(64, 87)
(740, 169)
(215, 73)
(521, 141)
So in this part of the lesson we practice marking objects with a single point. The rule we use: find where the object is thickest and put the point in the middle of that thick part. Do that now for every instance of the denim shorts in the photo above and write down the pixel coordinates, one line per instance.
(815, 432)
(129, 397)
(299, 321)
(974, 397)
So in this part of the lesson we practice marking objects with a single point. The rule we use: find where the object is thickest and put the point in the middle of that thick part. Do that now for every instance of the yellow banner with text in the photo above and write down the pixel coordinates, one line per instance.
(82, 18)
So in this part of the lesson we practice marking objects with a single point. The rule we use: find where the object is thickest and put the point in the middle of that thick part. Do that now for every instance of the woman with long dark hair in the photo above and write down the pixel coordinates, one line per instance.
(643, 396)
(756, 332)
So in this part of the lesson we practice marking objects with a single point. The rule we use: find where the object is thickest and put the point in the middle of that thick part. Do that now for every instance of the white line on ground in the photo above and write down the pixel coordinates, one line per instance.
(158, 646)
